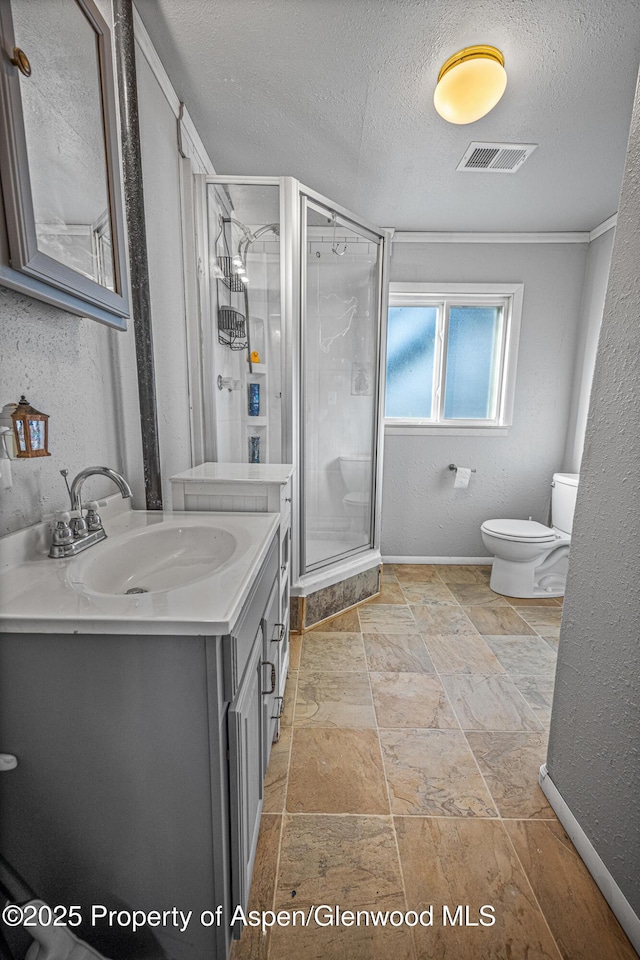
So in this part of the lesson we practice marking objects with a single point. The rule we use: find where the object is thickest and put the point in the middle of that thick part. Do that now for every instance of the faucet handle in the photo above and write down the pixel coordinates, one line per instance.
(94, 521)
(62, 532)
(78, 525)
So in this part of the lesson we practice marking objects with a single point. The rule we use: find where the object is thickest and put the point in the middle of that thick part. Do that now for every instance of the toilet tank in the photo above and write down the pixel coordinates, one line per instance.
(564, 489)
(356, 473)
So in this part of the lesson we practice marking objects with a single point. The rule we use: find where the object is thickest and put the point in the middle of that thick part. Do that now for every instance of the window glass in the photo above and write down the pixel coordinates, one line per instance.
(410, 356)
(471, 378)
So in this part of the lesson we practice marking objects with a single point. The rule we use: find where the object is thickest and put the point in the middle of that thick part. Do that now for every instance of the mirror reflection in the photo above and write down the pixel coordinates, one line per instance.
(63, 120)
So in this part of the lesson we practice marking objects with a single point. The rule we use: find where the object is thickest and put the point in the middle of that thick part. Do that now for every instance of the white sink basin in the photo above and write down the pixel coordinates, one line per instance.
(153, 559)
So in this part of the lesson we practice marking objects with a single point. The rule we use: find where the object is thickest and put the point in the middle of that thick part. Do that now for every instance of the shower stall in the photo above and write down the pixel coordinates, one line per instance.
(292, 359)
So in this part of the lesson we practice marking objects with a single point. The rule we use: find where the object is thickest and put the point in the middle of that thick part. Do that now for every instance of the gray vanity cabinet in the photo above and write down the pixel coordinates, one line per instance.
(140, 772)
(246, 772)
(274, 638)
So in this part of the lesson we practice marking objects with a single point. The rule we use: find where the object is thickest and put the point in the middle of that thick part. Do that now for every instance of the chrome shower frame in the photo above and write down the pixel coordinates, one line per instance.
(293, 197)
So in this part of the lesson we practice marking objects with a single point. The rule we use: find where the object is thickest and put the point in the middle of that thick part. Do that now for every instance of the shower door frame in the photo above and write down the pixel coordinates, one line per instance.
(311, 200)
(292, 266)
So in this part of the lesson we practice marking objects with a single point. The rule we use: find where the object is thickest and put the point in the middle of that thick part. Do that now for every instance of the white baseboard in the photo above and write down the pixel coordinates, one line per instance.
(628, 919)
(447, 560)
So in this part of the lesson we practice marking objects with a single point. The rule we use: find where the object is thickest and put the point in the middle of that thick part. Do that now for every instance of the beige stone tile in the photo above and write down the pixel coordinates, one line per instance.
(551, 641)
(253, 945)
(476, 594)
(336, 771)
(289, 699)
(439, 619)
(411, 700)
(433, 773)
(495, 621)
(543, 619)
(462, 653)
(388, 573)
(538, 693)
(295, 645)
(433, 591)
(275, 781)
(524, 655)
(350, 861)
(334, 700)
(342, 652)
(344, 621)
(532, 601)
(386, 618)
(488, 703)
(578, 915)
(416, 572)
(450, 861)
(462, 573)
(510, 764)
(390, 592)
(397, 653)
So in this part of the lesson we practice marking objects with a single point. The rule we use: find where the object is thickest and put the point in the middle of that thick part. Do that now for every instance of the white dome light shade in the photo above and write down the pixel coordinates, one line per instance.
(470, 84)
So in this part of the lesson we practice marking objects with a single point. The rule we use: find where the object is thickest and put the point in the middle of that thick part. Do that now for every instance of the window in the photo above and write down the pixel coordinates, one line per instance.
(451, 353)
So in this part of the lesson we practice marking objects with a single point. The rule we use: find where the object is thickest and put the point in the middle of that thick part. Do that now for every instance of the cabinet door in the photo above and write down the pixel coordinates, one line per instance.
(246, 772)
(271, 696)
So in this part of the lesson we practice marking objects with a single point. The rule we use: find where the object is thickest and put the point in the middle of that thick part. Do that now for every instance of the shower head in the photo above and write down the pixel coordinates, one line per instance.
(269, 228)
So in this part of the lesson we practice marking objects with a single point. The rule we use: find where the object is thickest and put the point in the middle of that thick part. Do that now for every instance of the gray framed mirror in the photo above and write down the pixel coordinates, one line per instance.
(62, 239)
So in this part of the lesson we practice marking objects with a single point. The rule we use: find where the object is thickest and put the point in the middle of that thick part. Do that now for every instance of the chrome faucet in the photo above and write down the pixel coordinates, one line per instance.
(74, 533)
(76, 485)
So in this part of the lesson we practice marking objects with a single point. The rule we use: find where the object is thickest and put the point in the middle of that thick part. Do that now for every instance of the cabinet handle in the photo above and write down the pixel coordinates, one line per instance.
(279, 638)
(287, 499)
(278, 715)
(268, 663)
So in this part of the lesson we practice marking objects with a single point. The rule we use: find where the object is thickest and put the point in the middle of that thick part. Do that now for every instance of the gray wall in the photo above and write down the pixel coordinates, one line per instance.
(84, 375)
(593, 294)
(66, 367)
(422, 514)
(594, 746)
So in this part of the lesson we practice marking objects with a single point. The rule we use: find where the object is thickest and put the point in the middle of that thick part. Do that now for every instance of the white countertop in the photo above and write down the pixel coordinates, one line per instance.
(237, 473)
(38, 595)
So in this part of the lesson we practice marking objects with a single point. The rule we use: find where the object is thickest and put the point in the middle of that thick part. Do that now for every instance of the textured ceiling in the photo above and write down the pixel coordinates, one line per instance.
(339, 94)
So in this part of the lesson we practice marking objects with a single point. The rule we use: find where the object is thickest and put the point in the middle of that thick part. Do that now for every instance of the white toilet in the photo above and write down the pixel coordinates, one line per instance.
(532, 560)
(356, 474)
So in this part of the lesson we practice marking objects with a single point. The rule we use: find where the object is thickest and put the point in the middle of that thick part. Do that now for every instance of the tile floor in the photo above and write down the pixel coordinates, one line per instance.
(406, 777)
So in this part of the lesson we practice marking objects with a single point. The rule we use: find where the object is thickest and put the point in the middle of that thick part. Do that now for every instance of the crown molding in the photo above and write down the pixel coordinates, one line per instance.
(443, 237)
(607, 224)
(576, 236)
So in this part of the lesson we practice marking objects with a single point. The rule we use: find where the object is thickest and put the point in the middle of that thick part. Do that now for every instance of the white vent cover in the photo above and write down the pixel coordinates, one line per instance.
(495, 157)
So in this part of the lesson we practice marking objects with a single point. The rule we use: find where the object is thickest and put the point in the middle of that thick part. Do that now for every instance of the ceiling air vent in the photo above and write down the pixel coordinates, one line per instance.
(495, 157)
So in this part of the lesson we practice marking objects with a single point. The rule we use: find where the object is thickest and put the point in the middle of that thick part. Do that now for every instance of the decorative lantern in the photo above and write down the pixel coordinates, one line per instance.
(31, 430)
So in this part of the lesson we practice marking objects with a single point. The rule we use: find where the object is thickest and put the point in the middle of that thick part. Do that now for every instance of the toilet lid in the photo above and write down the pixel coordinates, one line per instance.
(357, 499)
(529, 530)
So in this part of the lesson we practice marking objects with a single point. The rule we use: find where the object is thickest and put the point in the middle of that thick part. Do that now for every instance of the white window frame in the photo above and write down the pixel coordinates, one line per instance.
(444, 295)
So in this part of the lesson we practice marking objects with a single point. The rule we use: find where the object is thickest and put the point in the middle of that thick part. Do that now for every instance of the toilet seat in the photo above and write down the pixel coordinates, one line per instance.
(529, 531)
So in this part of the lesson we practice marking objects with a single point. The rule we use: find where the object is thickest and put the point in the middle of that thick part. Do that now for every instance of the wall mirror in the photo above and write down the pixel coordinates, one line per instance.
(62, 238)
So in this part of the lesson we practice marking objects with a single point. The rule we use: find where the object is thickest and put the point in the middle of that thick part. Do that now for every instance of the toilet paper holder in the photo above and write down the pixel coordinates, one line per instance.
(453, 466)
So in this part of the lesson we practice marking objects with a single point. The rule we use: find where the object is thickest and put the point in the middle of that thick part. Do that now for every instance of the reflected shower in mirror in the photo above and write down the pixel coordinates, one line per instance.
(64, 130)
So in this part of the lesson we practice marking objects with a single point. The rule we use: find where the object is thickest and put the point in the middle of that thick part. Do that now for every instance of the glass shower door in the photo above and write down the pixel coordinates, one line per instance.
(341, 269)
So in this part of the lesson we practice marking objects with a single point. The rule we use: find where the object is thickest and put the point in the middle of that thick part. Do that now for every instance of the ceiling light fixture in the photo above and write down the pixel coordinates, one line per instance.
(470, 84)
